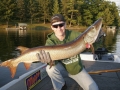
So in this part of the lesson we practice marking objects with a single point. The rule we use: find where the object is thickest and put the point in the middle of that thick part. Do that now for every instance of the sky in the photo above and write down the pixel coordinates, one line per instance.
(116, 1)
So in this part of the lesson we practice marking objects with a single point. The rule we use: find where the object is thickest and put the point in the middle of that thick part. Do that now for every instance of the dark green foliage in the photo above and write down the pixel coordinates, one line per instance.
(7, 10)
(76, 12)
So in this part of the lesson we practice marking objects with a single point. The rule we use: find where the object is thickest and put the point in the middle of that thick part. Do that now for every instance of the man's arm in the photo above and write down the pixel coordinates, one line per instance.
(43, 56)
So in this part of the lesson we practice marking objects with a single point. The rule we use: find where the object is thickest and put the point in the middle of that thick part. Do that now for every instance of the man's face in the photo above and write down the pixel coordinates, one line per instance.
(58, 28)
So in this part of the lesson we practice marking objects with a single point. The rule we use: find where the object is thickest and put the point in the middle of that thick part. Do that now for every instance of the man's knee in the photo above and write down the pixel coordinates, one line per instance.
(49, 70)
(93, 86)
(56, 69)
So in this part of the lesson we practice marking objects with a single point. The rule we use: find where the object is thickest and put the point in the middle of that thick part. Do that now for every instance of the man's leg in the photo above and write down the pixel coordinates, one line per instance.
(85, 80)
(55, 74)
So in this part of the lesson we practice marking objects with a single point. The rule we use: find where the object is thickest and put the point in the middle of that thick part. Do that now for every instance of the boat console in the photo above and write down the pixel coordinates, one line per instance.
(101, 51)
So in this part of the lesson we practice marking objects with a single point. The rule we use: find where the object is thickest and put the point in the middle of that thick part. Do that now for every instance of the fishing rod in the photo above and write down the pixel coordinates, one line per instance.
(104, 71)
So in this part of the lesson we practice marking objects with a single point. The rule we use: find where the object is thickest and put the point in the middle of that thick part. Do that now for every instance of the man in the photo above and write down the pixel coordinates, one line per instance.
(72, 66)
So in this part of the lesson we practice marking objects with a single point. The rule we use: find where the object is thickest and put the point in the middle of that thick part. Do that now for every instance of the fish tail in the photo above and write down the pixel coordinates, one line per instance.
(5, 63)
(9, 64)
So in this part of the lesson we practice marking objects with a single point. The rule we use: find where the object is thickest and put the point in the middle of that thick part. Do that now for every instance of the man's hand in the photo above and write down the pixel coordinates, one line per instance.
(44, 57)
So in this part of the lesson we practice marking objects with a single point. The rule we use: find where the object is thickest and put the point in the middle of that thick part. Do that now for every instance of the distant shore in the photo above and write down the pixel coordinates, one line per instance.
(43, 27)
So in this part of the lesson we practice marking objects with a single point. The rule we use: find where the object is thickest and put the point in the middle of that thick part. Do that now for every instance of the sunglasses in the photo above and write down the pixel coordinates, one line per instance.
(60, 25)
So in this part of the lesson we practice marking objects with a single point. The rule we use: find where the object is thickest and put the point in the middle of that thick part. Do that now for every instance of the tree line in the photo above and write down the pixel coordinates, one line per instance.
(76, 12)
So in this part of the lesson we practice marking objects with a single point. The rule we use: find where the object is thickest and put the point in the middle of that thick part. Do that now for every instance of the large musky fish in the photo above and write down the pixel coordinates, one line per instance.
(56, 52)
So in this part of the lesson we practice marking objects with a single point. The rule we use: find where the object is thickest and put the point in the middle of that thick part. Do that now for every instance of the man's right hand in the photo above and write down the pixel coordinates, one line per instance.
(44, 57)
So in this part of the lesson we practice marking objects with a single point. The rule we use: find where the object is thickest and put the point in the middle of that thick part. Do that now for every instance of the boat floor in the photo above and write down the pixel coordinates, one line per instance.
(105, 81)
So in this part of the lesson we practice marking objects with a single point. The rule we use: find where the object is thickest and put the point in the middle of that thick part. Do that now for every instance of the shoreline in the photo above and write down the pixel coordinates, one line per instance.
(41, 26)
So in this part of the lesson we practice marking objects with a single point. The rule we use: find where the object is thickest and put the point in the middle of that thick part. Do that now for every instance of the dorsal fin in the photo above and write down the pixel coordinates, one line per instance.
(22, 49)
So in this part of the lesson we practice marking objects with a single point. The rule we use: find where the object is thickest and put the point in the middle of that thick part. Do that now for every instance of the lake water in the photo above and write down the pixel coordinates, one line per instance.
(10, 39)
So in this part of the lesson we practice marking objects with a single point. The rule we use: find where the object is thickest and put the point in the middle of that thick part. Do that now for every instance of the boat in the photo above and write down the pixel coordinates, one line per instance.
(104, 69)
(27, 80)
(21, 26)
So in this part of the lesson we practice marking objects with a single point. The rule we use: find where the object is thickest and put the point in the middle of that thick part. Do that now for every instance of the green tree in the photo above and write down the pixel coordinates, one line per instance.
(108, 17)
(115, 12)
(63, 9)
(87, 17)
(22, 12)
(79, 8)
(72, 12)
(119, 15)
(33, 9)
(56, 7)
(44, 10)
(7, 8)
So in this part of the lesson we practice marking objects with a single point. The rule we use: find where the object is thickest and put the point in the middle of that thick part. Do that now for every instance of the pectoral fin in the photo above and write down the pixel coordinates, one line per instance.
(92, 48)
